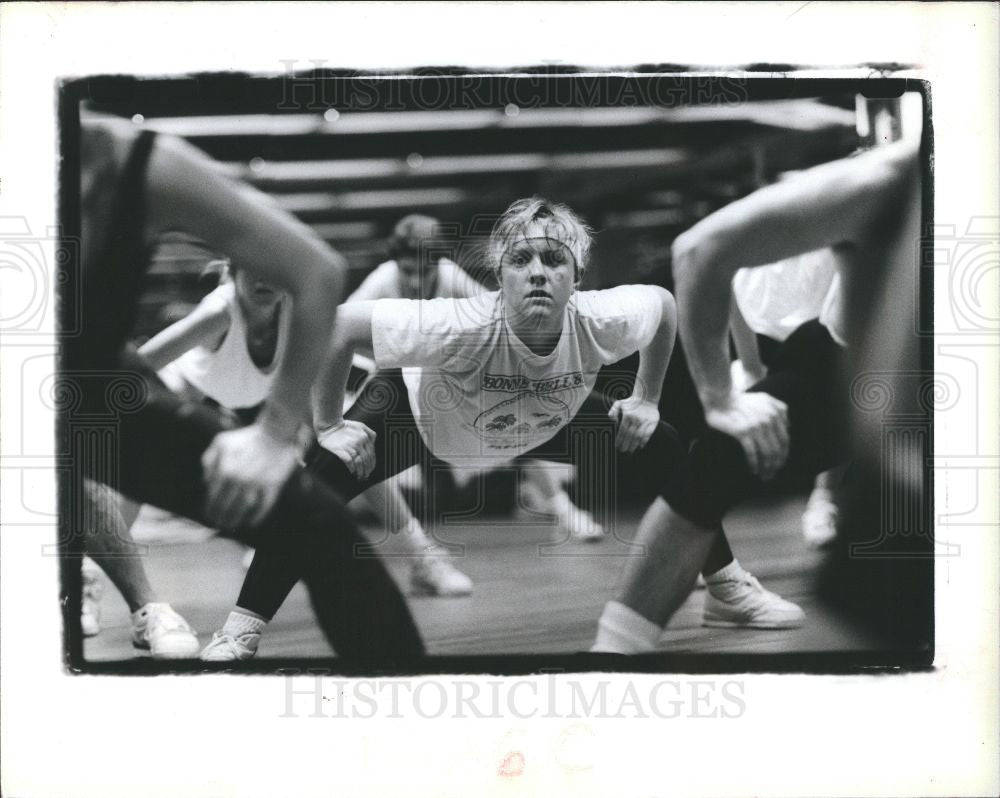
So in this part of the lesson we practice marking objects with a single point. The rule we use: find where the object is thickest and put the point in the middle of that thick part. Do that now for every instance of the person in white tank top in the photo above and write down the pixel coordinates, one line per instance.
(229, 348)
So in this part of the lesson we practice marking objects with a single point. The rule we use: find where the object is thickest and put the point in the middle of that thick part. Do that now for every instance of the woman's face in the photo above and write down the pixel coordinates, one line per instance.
(256, 293)
(537, 277)
(416, 280)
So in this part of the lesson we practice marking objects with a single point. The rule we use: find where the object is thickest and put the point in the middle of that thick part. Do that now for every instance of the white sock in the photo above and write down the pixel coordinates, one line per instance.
(622, 630)
(240, 623)
(731, 573)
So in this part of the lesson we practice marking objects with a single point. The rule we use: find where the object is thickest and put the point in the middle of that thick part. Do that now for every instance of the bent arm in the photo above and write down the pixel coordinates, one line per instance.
(206, 324)
(186, 192)
(655, 357)
(745, 341)
(353, 331)
(834, 204)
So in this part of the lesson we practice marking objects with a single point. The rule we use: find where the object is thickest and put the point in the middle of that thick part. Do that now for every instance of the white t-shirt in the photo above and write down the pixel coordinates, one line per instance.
(453, 282)
(480, 397)
(778, 298)
(228, 374)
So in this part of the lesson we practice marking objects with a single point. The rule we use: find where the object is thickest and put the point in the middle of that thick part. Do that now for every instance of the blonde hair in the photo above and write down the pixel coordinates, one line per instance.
(559, 222)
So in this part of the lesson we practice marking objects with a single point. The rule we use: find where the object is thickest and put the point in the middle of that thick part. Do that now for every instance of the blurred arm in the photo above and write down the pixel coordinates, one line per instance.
(353, 331)
(745, 341)
(835, 204)
(186, 192)
(206, 324)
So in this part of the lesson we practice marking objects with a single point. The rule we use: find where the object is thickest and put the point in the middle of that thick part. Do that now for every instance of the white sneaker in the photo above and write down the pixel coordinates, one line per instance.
(226, 648)
(161, 633)
(434, 575)
(819, 521)
(579, 523)
(745, 603)
(90, 603)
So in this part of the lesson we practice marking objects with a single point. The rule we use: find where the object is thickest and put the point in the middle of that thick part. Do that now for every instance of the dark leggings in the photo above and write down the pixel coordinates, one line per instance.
(803, 373)
(383, 405)
(155, 457)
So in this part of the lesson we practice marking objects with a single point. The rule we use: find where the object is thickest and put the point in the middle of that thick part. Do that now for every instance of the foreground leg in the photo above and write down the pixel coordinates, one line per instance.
(311, 536)
(683, 537)
(357, 605)
(656, 584)
(157, 630)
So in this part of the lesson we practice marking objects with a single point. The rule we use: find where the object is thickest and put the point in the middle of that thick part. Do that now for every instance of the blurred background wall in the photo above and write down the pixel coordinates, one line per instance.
(640, 158)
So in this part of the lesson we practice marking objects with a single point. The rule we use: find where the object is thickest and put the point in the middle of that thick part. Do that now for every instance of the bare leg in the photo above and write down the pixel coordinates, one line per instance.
(656, 584)
(109, 543)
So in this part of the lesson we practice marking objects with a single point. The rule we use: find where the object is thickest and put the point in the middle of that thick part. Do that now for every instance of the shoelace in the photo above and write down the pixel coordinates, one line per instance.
(167, 620)
(231, 642)
(751, 580)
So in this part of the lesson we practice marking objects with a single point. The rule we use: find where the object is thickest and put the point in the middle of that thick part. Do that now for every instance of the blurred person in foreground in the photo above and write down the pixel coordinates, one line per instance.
(183, 456)
(795, 422)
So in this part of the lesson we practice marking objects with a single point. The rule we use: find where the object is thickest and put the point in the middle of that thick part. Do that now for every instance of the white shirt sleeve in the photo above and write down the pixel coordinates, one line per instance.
(425, 333)
(619, 321)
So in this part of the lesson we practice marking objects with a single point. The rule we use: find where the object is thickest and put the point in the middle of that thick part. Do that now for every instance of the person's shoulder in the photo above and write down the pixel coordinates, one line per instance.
(386, 273)
(386, 267)
(616, 302)
(380, 283)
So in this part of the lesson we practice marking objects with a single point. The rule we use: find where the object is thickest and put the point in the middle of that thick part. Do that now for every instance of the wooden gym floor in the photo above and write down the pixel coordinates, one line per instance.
(529, 596)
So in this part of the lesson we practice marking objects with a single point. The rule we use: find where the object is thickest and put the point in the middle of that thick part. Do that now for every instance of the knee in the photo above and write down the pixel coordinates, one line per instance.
(667, 444)
(708, 480)
(716, 455)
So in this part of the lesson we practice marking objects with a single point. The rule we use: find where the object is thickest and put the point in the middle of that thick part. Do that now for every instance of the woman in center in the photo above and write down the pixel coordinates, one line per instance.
(489, 379)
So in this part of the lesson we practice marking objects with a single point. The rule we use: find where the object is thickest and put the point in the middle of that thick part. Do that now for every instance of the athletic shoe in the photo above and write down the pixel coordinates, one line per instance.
(744, 602)
(819, 521)
(161, 633)
(90, 606)
(226, 648)
(434, 575)
(579, 523)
